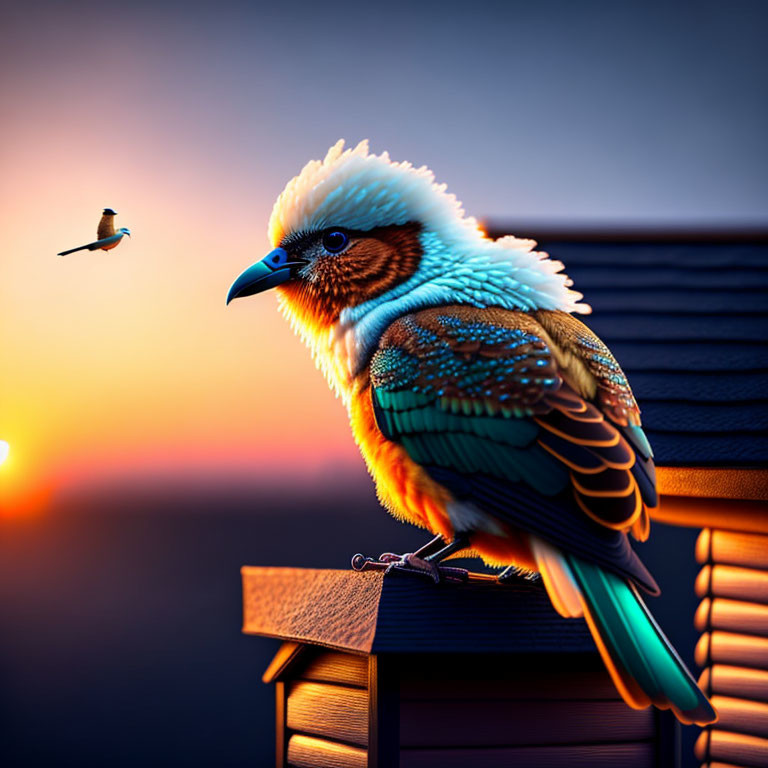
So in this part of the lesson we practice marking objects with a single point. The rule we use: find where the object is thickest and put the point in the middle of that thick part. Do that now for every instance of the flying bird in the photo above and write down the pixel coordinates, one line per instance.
(108, 236)
(486, 412)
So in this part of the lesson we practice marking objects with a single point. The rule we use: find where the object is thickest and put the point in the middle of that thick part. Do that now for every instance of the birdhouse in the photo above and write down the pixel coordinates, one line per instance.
(392, 670)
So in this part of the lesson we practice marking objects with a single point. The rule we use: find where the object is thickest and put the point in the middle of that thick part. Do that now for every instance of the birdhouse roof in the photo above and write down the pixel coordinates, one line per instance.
(375, 613)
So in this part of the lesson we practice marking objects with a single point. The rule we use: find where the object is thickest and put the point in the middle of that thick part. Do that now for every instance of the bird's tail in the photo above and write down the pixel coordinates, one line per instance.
(72, 250)
(643, 664)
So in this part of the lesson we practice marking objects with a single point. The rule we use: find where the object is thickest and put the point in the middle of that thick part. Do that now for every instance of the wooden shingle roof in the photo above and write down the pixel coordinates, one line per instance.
(687, 318)
(376, 613)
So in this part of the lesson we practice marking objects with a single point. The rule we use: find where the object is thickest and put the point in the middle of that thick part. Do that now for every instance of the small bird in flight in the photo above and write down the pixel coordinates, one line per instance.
(108, 236)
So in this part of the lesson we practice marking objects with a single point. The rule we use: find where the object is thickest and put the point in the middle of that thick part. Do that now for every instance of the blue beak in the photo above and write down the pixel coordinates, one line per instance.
(273, 269)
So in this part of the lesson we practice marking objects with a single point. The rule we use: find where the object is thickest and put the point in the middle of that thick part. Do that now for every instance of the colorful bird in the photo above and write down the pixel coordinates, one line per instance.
(108, 237)
(485, 411)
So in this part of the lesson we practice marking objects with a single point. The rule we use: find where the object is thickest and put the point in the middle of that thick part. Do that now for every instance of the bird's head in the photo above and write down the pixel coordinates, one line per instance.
(357, 237)
(125, 231)
(346, 231)
(108, 212)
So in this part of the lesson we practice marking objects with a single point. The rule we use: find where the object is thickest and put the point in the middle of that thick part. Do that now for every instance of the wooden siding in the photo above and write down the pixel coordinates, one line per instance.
(728, 680)
(462, 723)
(733, 649)
(337, 712)
(323, 709)
(493, 702)
(334, 667)
(736, 749)
(586, 756)
(438, 710)
(732, 548)
(311, 752)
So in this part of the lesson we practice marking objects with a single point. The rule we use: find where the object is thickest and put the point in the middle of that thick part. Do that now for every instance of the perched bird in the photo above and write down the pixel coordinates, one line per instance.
(485, 411)
(108, 236)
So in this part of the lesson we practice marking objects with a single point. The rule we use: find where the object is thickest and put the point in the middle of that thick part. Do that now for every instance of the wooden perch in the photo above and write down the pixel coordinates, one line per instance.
(373, 613)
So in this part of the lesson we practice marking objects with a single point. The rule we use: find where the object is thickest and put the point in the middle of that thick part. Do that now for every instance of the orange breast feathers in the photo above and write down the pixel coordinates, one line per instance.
(403, 487)
(411, 495)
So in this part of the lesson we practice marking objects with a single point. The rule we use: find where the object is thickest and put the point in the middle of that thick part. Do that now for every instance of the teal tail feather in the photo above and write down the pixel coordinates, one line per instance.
(645, 667)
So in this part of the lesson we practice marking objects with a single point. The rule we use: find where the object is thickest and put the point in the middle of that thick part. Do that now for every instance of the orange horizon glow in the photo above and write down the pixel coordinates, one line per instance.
(129, 362)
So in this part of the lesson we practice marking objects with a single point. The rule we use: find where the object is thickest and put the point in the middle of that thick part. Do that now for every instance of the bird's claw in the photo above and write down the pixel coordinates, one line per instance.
(513, 575)
(410, 563)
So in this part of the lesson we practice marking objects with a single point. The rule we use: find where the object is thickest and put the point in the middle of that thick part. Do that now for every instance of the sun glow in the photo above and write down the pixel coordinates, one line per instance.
(21, 491)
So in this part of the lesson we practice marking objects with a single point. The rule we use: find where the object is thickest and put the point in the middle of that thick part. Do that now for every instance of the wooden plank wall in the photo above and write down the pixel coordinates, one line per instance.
(550, 711)
(480, 710)
(733, 648)
(327, 712)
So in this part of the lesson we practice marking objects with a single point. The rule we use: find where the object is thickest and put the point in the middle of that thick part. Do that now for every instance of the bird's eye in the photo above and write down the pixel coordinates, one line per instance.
(335, 241)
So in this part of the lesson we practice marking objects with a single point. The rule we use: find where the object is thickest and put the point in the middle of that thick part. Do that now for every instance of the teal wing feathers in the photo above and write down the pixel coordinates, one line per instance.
(477, 398)
(638, 654)
(465, 405)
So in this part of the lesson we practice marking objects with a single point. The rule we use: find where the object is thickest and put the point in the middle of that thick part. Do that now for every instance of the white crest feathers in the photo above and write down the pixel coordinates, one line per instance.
(354, 189)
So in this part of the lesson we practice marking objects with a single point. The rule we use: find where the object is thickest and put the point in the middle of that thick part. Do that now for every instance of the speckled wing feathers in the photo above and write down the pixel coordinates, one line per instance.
(587, 352)
(493, 361)
(480, 392)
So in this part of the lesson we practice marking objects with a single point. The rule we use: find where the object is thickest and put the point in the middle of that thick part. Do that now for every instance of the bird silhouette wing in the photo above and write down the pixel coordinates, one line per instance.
(478, 398)
(95, 245)
(106, 226)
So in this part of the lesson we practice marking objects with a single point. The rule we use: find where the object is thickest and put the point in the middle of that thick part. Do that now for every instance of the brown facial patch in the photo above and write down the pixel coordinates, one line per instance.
(374, 263)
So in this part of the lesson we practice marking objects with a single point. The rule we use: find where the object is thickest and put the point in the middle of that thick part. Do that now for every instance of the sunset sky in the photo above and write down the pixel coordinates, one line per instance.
(188, 119)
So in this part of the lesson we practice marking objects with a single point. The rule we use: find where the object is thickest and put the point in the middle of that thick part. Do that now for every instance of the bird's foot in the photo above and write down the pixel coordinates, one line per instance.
(515, 575)
(410, 563)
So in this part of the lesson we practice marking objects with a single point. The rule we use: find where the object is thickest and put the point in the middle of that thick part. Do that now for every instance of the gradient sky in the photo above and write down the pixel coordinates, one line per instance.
(189, 118)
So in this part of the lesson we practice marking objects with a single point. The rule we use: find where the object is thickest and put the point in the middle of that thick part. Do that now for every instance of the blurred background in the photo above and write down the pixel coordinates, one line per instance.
(160, 440)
